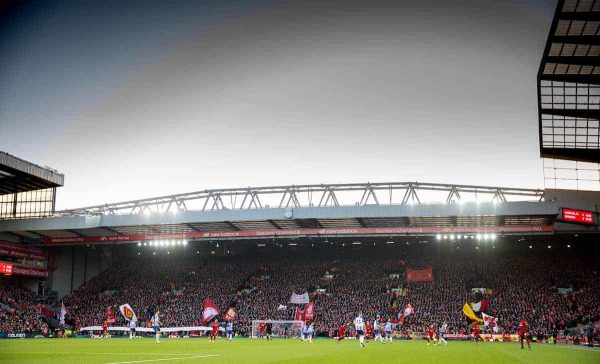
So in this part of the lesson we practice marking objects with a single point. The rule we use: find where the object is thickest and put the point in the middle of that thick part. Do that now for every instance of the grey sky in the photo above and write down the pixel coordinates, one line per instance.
(136, 99)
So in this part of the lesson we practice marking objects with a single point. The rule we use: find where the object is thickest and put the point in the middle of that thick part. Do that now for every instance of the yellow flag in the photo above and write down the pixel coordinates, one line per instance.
(468, 311)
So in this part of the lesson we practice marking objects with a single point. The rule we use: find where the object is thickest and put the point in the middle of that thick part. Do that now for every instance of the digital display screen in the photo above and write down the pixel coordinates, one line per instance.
(578, 216)
(6, 268)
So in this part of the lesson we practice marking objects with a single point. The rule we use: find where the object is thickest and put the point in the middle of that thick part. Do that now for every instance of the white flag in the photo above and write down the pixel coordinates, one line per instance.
(127, 312)
(299, 298)
(488, 320)
(281, 308)
(63, 312)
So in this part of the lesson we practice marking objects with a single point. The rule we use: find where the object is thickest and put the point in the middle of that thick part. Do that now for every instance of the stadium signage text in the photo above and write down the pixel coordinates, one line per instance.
(30, 272)
(578, 216)
(429, 230)
(15, 251)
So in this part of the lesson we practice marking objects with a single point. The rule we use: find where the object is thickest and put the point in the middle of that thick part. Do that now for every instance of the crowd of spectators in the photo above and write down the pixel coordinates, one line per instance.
(341, 285)
(19, 310)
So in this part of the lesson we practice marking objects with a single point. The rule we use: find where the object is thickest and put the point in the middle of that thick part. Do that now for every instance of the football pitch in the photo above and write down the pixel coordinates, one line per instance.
(125, 351)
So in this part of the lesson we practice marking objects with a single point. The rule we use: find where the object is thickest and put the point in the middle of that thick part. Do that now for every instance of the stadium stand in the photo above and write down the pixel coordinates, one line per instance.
(521, 286)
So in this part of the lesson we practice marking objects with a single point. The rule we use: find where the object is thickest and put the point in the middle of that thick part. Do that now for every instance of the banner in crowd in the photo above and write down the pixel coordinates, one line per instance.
(150, 329)
(468, 311)
(489, 320)
(210, 311)
(565, 290)
(230, 315)
(408, 310)
(309, 311)
(299, 298)
(480, 306)
(110, 315)
(419, 275)
(63, 312)
(282, 308)
(127, 312)
(43, 310)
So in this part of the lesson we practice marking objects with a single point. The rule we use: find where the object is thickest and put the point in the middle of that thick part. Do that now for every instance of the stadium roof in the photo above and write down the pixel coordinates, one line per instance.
(18, 175)
(341, 210)
(569, 84)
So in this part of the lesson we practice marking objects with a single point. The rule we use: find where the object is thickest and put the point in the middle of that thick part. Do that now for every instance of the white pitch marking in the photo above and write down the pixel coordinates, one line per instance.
(574, 348)
(86, 353)
(180, 358)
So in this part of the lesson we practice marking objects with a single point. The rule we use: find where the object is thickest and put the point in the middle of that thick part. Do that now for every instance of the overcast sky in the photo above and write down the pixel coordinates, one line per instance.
(133, 99)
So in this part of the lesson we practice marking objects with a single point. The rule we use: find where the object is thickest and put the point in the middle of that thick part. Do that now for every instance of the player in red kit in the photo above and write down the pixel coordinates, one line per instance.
(476, 333)
(105, 329)
(261, 329)
(524, 333)
(342, 332)
(215, 331)
(431, 335)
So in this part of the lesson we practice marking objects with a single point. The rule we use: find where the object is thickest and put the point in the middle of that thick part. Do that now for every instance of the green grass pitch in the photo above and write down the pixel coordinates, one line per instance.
(242, 351)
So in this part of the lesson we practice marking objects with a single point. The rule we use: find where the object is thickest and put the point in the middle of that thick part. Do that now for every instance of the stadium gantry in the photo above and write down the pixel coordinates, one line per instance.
(341, 210)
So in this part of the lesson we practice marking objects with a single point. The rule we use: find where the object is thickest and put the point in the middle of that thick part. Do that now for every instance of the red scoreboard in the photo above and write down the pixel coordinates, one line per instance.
(6, 268)
(578, 216)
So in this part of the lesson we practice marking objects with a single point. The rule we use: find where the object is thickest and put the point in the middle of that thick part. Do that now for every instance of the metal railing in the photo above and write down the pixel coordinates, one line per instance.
(321, 195)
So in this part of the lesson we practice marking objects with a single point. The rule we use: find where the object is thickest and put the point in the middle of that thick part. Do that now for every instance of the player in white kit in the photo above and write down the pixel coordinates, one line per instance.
(156, 325)
(132, 325)
(442, 332)
(377, 330)
(388, 326)
(359, 325)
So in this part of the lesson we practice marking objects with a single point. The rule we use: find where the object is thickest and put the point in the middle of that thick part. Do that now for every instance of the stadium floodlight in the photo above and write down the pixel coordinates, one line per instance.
(477, 248)
(452, 237)
(139, 244)
(139, 253)
(459, 236)
(486, 236)
(197, 251)
(217, 245)
(292, 244)
(261, 244)
(391, 242)
(356, 243)
(549, 246)
(162, 243)
(172, 242)
(153, 253)
(438, 237)
(178, 242)
(493, 236)
(445, 237)
(145, 244)
(568, 246)
(530, 247)
(184, 242)
(168, 252)
(478, 236)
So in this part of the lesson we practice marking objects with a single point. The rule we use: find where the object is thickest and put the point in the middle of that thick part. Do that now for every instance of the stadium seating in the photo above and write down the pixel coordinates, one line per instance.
(522, 286)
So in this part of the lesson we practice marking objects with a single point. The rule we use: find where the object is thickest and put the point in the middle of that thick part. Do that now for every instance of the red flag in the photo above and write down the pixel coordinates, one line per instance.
(423, 275)
(231, 314)
(298, 316)
(110, 316)
(408, 310)
(309, 311)
(209, 312)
